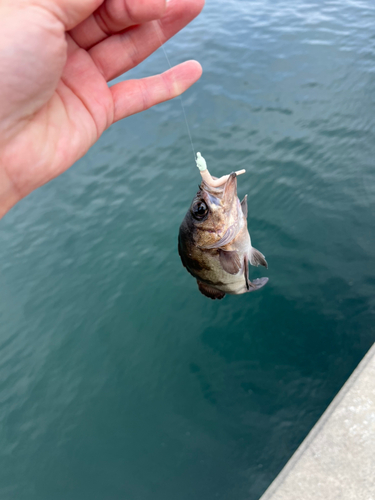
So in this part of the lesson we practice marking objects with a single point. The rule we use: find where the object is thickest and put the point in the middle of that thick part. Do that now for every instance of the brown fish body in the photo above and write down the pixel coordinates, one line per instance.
(214, 242)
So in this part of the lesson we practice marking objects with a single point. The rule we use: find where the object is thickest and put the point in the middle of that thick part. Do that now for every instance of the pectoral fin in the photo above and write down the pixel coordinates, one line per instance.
(210, 291)
(256, 258)
(230, 261)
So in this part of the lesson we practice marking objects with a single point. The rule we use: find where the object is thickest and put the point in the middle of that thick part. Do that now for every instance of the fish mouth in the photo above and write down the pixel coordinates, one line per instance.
(224, 195)
(230, 191)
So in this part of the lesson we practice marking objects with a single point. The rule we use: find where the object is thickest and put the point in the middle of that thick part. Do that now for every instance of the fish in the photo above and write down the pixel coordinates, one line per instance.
(214, 243)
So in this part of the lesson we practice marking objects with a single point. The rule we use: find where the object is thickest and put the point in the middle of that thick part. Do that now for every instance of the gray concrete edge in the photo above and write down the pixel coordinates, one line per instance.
(287, 470)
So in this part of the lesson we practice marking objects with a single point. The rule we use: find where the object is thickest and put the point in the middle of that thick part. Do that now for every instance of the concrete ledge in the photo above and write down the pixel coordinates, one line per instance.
(336, 461)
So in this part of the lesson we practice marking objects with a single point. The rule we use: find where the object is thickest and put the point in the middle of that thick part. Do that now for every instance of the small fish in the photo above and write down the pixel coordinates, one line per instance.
(214, 242)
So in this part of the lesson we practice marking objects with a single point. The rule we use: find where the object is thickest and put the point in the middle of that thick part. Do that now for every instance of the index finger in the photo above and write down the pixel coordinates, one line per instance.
(114, 16)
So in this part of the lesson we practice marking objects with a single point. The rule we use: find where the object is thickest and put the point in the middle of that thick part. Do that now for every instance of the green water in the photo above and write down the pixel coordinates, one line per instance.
(118, 380)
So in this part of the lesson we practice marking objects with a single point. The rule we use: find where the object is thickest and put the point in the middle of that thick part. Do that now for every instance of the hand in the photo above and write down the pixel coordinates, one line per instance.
(56, 57)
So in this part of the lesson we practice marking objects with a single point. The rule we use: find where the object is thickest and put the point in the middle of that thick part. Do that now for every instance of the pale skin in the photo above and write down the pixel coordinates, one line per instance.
(56, 59)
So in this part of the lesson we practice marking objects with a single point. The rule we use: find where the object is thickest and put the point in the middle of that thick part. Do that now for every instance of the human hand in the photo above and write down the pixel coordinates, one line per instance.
(56, 57)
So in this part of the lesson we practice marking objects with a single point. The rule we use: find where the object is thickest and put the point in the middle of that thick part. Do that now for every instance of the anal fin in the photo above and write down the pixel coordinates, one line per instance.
(210, 291)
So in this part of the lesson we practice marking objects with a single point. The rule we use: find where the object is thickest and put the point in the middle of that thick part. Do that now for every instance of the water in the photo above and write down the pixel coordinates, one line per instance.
(118, 380)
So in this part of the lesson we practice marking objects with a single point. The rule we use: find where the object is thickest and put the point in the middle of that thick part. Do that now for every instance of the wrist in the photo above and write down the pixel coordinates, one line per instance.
(8, 194)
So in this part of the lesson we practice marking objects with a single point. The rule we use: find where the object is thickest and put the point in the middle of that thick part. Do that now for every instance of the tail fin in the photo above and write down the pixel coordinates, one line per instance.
(256, 258)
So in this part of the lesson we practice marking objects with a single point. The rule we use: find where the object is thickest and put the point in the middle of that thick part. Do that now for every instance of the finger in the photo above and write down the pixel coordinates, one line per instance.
(81, 76)
(119, 53)
(114, 16)
(133, 96)
(69, 12)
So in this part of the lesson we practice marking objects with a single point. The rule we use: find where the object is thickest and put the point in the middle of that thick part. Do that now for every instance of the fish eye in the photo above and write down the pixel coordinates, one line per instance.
(199, 210)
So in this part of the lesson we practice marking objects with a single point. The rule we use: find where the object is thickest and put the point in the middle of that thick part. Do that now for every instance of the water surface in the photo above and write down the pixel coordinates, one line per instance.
(118, 380)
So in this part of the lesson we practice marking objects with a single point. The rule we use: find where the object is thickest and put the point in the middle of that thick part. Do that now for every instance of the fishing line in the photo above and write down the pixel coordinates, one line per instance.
(182, 104)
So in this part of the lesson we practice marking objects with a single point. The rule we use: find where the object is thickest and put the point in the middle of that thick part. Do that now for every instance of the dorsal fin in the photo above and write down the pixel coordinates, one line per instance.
(244, 206)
